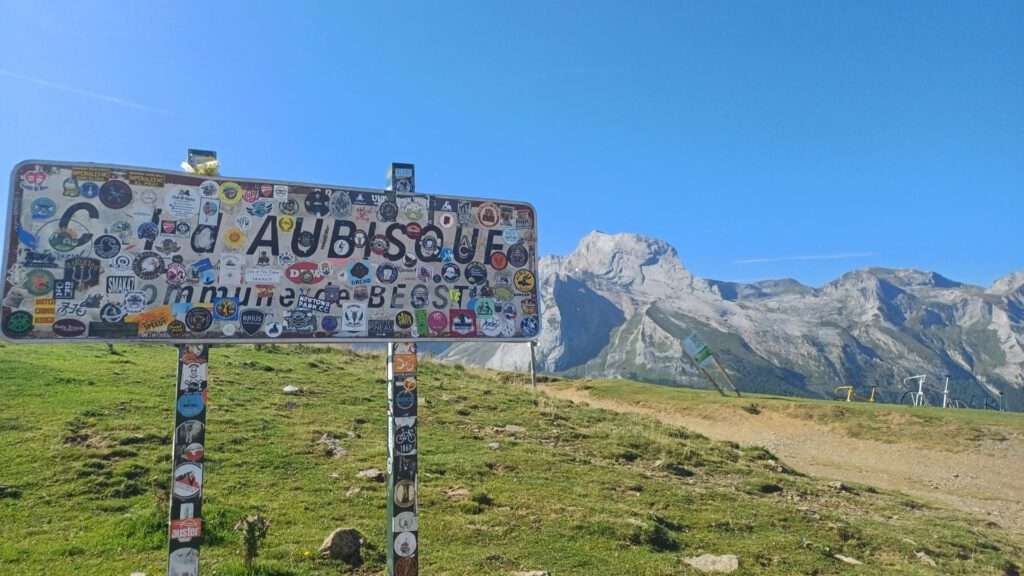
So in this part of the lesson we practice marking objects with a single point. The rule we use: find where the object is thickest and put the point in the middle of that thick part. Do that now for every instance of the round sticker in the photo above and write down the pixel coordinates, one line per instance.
(177, 274)
(317, 203)
(184, 562)
(43, 208)
(230, 193)
(39, 282)
(286, 223)
(115, 194)
(199, 319)
(176, 329)
(413, 230)
(148, 265)
(437, 322)
(405, 544)
(476, 273)
(188, 480)
(89, 190)
(450, 272)
(518, 255)
(499, 261)
(510, 236)
(107, 246)
(388, 211)
(189, 431)
(209, 188)
(191, 404)
(405, 493)
(18, 323)
(228, 330)
(330, 324)
(234, 238)
(274, 329)
(288, 207)
(404, 319)
(524, 281)
(488, 215)
(112, 313)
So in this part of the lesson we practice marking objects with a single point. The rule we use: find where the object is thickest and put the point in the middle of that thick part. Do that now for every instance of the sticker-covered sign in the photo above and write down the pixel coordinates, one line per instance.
(156, 255)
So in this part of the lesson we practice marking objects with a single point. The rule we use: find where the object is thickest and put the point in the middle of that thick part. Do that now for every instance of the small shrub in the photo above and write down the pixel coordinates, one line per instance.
(254, 530)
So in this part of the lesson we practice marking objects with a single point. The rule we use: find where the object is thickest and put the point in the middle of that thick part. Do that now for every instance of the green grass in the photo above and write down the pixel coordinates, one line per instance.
(84, 442)
(951, 429)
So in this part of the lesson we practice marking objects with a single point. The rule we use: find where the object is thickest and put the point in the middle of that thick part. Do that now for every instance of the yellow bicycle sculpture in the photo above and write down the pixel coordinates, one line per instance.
(851, 395)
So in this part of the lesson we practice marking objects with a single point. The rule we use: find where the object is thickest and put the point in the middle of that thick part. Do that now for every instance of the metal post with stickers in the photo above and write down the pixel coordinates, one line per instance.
(403, 461)
(185, 524)
(115, 254)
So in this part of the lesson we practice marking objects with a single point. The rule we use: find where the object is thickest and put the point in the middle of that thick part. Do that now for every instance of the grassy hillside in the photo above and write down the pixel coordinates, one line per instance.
(84, 441)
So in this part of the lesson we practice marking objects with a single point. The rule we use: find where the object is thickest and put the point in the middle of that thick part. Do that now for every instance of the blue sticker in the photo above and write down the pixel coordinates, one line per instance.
(225, 308)
(89, 189)
(191, 405)
(330, 324)
(529, 326)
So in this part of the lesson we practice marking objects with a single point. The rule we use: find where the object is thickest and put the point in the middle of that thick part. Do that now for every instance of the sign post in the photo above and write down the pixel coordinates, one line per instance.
(403, 460)
(188, 451)
(106, 253)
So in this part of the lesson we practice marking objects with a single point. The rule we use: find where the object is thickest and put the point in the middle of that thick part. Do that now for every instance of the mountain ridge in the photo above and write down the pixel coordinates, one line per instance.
(621, 304)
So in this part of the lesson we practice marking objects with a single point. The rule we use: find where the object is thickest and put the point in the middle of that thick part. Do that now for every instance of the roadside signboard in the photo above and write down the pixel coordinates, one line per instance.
(699, 351)
(113, 253)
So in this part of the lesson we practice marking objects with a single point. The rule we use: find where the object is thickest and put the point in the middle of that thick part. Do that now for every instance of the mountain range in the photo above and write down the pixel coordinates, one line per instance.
(620, 306)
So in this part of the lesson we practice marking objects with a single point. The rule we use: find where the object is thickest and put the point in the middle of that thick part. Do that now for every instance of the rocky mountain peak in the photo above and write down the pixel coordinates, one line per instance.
(1007, 284)
(626, 260)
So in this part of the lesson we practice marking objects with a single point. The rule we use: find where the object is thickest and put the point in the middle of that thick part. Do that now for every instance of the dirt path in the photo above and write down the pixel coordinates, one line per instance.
(988, 482)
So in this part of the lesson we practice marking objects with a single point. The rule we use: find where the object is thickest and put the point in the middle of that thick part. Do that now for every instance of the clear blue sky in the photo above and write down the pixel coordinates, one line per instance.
(762, 139)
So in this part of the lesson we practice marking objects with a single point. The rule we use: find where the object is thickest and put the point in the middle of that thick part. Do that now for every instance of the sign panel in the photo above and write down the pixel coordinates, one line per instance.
(100, 252)
(699, 351)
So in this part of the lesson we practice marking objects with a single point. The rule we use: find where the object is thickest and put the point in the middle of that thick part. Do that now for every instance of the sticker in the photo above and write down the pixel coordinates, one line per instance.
(44, 310)
(518, 256)
(184, 530)
(183, 203)
(230, 193)
(274, 329)
(189, 432)
(487, 215)
(463, 323)
(404, 363)
(304, 273)
(407, 567)
(510, 236)
(404, 320)
(199, 319)
(252, 321)
(359, 273)
(280, 192)
(68, 328)
(190, 405)
(405, 522)
(529, 326)
(288, 207)
(115, 194)
(209, 212)
(184, 562)
(106, 246)
(234, 238)
(85, 272)
(317, 202)
(89, 189)
(476, 273)
(148, 265)
(112, 313)
(225, 308)
(39, 282)
(313, 304)
(286, 223)
(405, 493)
(43, 208)
(341, 204)
(524, 281)
(405, 544)
(188, 480)
(405, 436)
(193, 452)
(353, 319)
(499, 261)
(438, 323)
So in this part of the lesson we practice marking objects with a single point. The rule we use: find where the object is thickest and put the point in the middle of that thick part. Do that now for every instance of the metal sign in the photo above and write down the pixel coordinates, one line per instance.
(189, 452)
(100, 252)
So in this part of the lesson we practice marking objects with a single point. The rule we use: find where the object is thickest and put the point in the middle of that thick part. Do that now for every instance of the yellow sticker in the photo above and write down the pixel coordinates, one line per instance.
(524, 281)
(45, 309)
(286, 223)
(230, 193)
(234, 238)
(152, 319)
